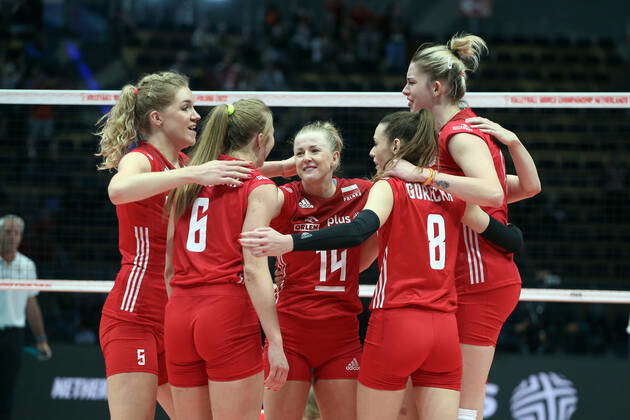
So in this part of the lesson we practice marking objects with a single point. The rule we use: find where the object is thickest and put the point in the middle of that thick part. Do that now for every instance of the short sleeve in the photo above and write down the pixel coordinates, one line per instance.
(288, 206)
(257, 180)
(459, 127)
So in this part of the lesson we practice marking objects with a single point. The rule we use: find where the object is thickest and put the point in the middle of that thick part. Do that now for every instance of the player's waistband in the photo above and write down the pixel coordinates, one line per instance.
(221, 289)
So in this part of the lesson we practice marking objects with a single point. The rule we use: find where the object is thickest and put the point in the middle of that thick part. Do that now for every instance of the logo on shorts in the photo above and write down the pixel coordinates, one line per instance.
(141, 357)
(353, 365)
(544, 396)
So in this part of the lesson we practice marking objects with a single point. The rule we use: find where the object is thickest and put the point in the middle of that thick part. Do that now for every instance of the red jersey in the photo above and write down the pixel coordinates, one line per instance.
(206, 250)
(320, 284)
(139, 293)
(418, 249)
(480, 264)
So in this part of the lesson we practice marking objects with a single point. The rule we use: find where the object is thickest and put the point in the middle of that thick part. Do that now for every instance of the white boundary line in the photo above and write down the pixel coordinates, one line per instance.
(603, 100)
(531, 295)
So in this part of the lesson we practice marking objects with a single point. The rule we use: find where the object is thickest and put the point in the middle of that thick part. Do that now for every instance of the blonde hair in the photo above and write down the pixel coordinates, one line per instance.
(222, 133)
(129, 118)
(330, 132)
(417, 134)
(450, 62)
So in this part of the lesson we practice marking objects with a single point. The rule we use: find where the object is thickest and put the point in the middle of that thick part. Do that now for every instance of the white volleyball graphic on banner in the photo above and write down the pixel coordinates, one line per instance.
(544, 396)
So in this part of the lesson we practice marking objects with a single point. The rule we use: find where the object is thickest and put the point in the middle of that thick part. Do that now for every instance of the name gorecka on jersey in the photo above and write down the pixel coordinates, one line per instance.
(350, 192)
(421, 192)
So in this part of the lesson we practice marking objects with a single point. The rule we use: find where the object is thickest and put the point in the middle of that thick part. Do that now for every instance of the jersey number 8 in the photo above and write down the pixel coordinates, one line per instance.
(437, 235)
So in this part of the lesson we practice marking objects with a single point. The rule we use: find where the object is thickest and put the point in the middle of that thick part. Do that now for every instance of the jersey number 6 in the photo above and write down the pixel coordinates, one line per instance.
(197, 228)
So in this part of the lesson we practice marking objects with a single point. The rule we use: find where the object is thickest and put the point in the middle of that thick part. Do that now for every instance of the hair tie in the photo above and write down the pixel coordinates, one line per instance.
(230, 109)
(462, 73)
(135, 91)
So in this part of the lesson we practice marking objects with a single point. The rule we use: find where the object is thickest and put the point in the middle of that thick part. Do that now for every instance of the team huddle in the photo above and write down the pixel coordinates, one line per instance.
(182, 323)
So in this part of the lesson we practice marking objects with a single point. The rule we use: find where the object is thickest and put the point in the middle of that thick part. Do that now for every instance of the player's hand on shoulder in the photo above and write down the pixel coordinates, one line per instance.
(406, 171)
(502, 134)
(219, 172)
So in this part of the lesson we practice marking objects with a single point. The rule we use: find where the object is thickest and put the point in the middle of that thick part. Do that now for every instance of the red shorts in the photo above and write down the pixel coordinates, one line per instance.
(328, 349)
(410, 342)
(132, 347)
(212, 337)
(481, 315)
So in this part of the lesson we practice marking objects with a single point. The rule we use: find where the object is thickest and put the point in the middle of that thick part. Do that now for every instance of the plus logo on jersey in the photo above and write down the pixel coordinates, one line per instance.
(350, 192)
(337, 220)
(305, 204)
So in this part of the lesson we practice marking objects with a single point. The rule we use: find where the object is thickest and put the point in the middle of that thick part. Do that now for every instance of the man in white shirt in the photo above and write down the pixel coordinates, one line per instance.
(16, 306)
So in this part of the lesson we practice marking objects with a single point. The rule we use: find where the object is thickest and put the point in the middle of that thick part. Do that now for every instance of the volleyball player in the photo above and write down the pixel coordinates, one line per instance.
(413, 331)
(158, 115)
(318, 299)
(470, 165)
(219, 293)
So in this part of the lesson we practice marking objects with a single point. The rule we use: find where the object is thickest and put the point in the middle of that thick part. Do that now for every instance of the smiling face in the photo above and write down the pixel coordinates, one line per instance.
(315, 161)
(418, 89)
(382, 151)
(179, 119)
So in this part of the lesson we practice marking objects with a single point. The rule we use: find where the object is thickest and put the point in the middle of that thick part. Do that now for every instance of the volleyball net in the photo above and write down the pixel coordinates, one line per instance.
(577, 234)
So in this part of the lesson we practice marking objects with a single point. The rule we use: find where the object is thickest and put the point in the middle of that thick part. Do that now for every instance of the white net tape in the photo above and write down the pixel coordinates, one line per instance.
(333, 99)
(532, 295)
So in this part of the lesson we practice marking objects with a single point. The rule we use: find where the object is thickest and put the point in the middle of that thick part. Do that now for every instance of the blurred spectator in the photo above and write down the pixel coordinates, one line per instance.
(271, 78)
(16, 307)
(41, 122)
(396, 50)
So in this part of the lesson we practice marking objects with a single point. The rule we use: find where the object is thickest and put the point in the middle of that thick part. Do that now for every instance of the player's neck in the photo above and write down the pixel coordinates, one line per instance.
(243, 154)
(321, 189)
(443, 114)
(166, 147)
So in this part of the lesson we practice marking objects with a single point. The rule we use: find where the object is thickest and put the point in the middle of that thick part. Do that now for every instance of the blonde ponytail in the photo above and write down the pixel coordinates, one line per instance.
(468, 48)
(224, 132)
(117, 129)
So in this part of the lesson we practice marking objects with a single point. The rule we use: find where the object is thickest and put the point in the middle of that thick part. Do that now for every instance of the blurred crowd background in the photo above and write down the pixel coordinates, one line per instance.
(577, 231)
